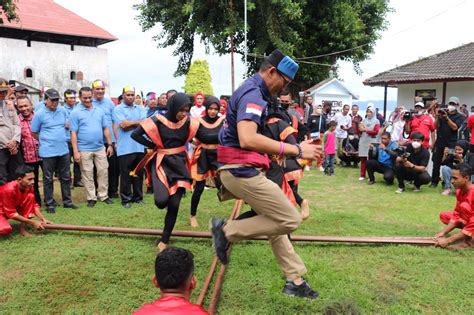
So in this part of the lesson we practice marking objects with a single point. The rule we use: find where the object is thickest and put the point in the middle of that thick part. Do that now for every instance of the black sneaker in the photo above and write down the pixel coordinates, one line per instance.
(303, 290)
(370, 182)
(113, 195)
(140, 202)
(434, 185)
(221, 244)
(91, 203)
(71, 206)
(51, 209)
(127, 205)
(108, 201)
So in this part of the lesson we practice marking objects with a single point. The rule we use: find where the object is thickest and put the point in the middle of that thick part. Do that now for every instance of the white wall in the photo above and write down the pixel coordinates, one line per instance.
(52, 63)
(463, 90)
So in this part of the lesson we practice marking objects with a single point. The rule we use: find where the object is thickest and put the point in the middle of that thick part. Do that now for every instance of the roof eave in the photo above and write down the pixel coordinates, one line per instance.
(395, 83)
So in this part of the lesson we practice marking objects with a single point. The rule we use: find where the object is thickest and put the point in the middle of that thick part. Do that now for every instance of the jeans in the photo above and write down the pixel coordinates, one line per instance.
(328, 164)
(60, 164)
(446, 172)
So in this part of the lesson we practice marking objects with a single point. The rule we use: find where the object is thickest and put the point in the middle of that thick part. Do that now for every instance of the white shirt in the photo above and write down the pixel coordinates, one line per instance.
(342, 120)
(197, 112)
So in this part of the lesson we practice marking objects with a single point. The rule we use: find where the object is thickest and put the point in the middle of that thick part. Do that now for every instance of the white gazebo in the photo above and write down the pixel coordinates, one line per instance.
(334, 92)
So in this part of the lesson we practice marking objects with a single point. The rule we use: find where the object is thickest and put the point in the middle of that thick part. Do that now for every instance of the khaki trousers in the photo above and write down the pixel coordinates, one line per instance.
(88, 160)
(276, 218)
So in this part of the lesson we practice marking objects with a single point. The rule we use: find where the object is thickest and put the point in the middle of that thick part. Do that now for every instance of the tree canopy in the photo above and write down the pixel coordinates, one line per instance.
(198, 78)
(299, 28)
(8, 10)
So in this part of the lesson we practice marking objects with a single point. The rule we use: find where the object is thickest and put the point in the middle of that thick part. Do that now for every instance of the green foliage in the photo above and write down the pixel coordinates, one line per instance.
(198, 78)
(299, 28)
(8, 10)
(65, 272)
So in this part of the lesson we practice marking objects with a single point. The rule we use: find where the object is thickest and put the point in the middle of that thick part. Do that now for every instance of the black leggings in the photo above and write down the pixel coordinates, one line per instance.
(162, 200)
(294, 188)
(198, 189)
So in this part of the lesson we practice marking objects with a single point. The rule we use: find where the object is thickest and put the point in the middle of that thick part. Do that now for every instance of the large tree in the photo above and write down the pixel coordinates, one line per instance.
(198, 78)
(8, 10)
(302, 29)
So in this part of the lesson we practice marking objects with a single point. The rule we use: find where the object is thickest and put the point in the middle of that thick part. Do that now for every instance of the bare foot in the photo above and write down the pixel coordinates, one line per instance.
(304, 209)
(24, 232)
(161, 247)
(194, 222)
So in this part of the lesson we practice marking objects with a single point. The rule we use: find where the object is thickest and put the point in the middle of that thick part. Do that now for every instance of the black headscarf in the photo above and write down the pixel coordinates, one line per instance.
(207, 103)
(175, 104)
(463, 144)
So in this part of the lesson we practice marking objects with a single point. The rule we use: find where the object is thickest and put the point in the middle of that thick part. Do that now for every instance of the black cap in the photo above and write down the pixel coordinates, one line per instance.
(21, 88)
(51, 94)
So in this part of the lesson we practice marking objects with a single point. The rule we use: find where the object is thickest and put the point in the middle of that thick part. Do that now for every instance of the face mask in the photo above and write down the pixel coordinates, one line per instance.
(416, 145)
(451, 108)
(351, 137)
(284, 105)
(419, 113)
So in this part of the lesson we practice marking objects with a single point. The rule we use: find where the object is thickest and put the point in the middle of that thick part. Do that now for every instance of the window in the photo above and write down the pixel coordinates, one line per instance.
(28, 73)
(72, 75)
(80, 76)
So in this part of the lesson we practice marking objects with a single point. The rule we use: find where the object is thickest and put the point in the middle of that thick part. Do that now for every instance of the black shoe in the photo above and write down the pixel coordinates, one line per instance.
(221, 244)
(91, 203)
(434, 185)
(71, 206)
(78, 184)
(113, 195)
(108, 201)
(303, 290)
(370, 182)
(127, 205)
(140, 202)
(51, 209)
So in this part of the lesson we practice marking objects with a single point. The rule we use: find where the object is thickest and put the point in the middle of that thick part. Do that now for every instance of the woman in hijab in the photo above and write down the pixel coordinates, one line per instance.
(204, 161)
(198, 110)
(369, 128)
(167, 165)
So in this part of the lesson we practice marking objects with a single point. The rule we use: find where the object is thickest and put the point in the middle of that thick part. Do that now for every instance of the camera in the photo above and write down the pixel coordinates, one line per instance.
(402, 152)
(408, 115)
(442, 111)
(451, 151)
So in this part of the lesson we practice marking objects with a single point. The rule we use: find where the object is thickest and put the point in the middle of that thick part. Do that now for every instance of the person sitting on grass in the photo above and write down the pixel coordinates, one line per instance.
(463, 215)
(174, 276)
(17, 202)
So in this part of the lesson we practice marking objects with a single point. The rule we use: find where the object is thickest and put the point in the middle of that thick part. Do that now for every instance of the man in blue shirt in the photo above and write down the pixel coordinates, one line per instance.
(88, 128)
(100, 101)
(69, 104)
(49, 127)
(127, 116)
(241, 152)
(382, 159)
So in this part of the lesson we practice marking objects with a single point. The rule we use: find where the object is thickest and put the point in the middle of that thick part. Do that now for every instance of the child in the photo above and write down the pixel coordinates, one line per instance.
(329, 147)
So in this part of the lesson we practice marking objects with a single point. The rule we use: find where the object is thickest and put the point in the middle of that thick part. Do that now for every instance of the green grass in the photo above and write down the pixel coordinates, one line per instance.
(73, 272)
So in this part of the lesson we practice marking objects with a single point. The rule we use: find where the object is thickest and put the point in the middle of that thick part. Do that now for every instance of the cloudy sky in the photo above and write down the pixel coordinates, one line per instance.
(416, 29)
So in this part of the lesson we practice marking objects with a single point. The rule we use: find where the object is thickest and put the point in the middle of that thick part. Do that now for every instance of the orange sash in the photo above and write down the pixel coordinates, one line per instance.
(151, 130)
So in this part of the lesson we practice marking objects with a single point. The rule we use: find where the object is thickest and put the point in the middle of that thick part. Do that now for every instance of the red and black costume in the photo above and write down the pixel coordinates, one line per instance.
(204, 161)
(167, 164)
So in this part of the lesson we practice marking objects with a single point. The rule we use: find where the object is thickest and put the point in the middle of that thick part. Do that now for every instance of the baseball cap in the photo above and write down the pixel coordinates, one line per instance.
(128, 88)
(21, 88)
(51, 94)
(419, 104)
(151, 96)
(453, 99)
(283, 63)
(4, 85)
(98, 84)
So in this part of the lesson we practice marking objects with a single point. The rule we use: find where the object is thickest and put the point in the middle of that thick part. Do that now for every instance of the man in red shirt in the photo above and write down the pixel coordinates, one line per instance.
(17, 202)
(423, 123)
(174, 276)
(463, 215)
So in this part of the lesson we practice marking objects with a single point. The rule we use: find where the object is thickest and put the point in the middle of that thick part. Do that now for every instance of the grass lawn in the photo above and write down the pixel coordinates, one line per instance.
(74, 272)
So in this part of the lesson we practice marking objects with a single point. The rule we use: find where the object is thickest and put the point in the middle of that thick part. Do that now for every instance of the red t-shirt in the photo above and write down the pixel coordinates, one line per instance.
(172, 305)
(464, 211)
(11, 199)
(470, 125)
(425, 125)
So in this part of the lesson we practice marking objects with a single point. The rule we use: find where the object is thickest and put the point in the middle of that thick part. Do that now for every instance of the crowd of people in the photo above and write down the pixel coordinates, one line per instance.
(254, 148)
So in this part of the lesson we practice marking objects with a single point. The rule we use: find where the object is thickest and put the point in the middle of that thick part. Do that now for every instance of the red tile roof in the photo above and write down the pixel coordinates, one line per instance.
(456, 64)
(49, 17)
